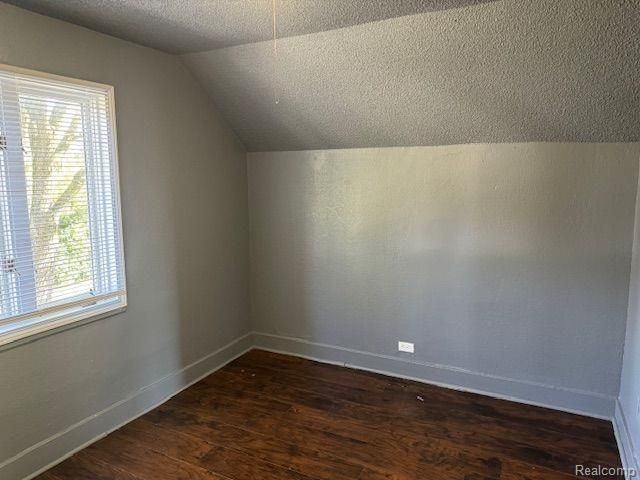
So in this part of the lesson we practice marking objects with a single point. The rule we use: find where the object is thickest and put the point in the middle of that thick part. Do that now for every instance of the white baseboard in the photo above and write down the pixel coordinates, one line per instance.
(625, 442)
(558, 398)
(47, 453)
(51, 451)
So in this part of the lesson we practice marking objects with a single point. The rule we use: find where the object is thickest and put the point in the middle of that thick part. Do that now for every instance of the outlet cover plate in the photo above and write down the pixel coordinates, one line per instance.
(405, 347)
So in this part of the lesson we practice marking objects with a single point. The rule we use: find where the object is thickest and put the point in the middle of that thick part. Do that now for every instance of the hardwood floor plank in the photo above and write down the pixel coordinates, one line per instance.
(399, 395)
(282, 452)
(134, 458)
(358, 419)
(308, 458)
(598, 431)
(197, 451)
(374, 448)
(269, 416)
(82, 467)
(242, 466)
(49, 476)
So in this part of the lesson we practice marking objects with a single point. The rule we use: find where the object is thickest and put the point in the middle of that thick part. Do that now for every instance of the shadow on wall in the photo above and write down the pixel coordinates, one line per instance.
(509, 260)
(210, 239)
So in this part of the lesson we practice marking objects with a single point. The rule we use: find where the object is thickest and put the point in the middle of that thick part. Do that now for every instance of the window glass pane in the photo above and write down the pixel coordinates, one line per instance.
(54, 159)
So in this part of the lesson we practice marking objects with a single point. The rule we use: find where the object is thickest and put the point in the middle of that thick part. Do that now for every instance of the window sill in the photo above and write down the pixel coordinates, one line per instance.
(12, 336)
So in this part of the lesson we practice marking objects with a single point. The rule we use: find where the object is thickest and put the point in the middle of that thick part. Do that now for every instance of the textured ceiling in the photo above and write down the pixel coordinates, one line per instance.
(196, 25)
(504, 71)
(398, 72)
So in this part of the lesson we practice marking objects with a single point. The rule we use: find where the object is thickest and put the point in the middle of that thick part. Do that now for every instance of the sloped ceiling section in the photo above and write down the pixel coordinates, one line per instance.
(196, 25)
(373, 73)
(505, 71)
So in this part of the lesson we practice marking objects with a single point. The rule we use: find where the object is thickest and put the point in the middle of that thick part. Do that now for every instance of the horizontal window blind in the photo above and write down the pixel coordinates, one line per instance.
(60, 227)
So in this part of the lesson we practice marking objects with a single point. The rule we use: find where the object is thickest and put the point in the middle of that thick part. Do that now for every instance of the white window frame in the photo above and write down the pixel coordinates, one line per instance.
(49, 318)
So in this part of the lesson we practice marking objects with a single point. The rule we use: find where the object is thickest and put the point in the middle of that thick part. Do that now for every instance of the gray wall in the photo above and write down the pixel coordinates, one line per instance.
(507, 260)
(183, 179)
(628, 415)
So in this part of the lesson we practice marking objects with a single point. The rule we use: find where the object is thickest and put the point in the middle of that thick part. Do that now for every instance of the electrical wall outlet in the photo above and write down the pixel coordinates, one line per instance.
(405, 347)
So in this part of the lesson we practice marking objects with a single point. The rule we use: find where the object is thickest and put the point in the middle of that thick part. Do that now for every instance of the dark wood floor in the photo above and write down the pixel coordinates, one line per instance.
(267, 416)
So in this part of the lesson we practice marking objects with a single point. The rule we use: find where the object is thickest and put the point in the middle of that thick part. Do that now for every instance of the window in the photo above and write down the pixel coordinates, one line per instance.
(61, 255)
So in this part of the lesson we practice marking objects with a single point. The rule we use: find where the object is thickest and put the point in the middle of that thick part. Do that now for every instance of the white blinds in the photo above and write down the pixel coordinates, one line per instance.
(60, 227)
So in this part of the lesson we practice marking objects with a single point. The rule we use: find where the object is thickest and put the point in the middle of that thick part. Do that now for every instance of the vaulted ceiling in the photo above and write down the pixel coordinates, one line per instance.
(182, 26)
(356, 73)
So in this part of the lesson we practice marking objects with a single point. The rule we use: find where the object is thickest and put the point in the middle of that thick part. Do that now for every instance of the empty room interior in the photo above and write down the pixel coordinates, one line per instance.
(319, 239)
